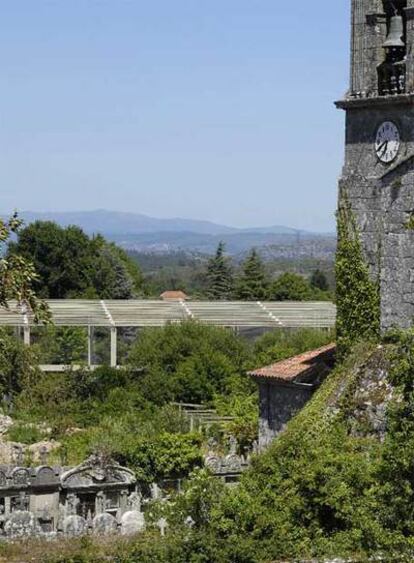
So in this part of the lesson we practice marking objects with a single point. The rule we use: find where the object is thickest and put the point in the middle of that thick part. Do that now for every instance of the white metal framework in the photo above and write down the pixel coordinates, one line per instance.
(142, 313)
(114, 314)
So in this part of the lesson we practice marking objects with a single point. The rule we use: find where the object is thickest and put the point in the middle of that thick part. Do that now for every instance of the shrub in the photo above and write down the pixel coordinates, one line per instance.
(26, 433)
(189, 362)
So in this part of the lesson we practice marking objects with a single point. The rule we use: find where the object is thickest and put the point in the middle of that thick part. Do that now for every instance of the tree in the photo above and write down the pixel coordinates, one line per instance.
(18, 275)
(189, 362)
(252, 284)
(70, 264)
(219, 275)
(18, 368)
(290, 287)
(319, 280)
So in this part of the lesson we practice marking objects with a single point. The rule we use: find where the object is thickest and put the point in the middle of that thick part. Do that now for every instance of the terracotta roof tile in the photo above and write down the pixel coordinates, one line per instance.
(310, 364)
(173, 295)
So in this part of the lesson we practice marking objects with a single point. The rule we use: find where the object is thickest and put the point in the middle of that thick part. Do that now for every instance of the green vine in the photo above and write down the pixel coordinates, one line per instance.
(357, 295)
(409, 225)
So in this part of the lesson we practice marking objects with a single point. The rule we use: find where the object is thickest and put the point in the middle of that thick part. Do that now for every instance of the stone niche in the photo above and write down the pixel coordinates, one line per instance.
(98, 496)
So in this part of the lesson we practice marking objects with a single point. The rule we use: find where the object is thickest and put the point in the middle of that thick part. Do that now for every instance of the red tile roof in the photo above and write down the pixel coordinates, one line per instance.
(310, 364)
(173, 295)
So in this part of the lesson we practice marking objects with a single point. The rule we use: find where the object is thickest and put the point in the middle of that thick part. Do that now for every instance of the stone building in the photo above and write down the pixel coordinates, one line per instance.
(98, 496)
(378, 174)
(285, 387)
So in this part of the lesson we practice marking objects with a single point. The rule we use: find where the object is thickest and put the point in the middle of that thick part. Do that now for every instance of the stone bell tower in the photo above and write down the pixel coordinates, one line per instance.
(378, 174)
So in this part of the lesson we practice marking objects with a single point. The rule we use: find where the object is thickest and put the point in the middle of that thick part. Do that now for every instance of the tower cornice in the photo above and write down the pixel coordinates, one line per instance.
(377, 101)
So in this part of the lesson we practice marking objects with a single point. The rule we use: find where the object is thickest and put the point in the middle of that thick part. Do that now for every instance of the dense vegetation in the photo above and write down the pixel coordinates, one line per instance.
(357, 294)
(128, 413)
(69, 264)
(336, 483)
(251, 278)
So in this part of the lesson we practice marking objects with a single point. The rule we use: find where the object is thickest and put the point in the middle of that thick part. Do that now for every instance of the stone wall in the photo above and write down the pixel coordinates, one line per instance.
(278, 403)
(382, 199)
(381, 195)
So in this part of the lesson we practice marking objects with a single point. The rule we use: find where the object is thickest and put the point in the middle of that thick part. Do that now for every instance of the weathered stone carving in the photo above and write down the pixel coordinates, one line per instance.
(74, 525)
(228, 467)
(104, 524)
(132, 522)
(96, 469)
(21, 523)
(71, 507)
(20, 476)
(3, 479)
(45, 476)
(99, 496)
(134, 501)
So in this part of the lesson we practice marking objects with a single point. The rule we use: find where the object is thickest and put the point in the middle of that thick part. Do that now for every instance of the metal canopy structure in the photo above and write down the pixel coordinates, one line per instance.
(145, 313)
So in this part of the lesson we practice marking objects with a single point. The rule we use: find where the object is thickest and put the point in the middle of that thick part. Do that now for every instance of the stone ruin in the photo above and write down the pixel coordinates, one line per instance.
(227, 467)
(98, 496)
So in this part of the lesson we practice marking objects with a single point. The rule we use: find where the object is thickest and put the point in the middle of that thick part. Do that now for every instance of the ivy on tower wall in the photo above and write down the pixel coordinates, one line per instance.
(357, 295)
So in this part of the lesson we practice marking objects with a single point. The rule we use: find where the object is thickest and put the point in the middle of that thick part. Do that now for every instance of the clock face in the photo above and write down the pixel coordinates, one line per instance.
(387, 142)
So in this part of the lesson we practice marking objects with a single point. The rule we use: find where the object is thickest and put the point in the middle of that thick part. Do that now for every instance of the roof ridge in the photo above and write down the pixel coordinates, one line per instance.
(290, 368)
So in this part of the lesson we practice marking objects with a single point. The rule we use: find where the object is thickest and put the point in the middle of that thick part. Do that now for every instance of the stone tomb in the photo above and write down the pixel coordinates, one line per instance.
(98, 496)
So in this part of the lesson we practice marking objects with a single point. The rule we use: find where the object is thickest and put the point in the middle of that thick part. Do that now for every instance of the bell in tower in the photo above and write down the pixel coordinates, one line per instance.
(391, 73)
(395, 34)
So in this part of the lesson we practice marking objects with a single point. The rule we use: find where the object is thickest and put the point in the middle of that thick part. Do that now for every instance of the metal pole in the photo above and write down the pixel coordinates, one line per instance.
(89, 346)
(26, 335)
(114, 362)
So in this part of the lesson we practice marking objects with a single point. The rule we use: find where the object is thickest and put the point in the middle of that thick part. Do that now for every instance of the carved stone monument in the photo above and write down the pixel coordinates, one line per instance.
(98, 496)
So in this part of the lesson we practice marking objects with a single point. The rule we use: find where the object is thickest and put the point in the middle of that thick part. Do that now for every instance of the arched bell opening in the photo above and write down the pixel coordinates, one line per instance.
(392, 71)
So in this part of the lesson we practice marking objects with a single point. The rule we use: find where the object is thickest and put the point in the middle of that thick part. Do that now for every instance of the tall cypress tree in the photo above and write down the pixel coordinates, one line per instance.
(252, 284)
(219, 275)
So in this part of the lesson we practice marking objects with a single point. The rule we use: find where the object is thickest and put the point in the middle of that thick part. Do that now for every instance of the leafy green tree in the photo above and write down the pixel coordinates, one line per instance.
(319, 280)
(70, 264)
(252, 285)
(17, 365)
(61, 345)
(188, 362)
(18, 276)
(219, 275)
(290, 287)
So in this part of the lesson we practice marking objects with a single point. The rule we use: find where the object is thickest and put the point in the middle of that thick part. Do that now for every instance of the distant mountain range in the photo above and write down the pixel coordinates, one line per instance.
(141, 233)
(123, 223)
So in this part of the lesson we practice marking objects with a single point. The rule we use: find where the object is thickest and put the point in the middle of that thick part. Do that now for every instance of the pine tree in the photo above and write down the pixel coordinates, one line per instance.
(219, 275)
(252, 284)
(319, 280)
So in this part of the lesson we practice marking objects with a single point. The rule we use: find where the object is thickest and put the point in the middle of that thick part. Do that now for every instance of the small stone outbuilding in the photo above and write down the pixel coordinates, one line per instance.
(286, 386)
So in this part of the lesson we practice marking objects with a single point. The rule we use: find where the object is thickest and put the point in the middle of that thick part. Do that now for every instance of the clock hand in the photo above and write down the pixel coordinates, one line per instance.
(385, 148)
(380, 147)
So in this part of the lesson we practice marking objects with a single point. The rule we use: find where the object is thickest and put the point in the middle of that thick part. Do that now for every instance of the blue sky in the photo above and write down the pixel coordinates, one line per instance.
(209, 109)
